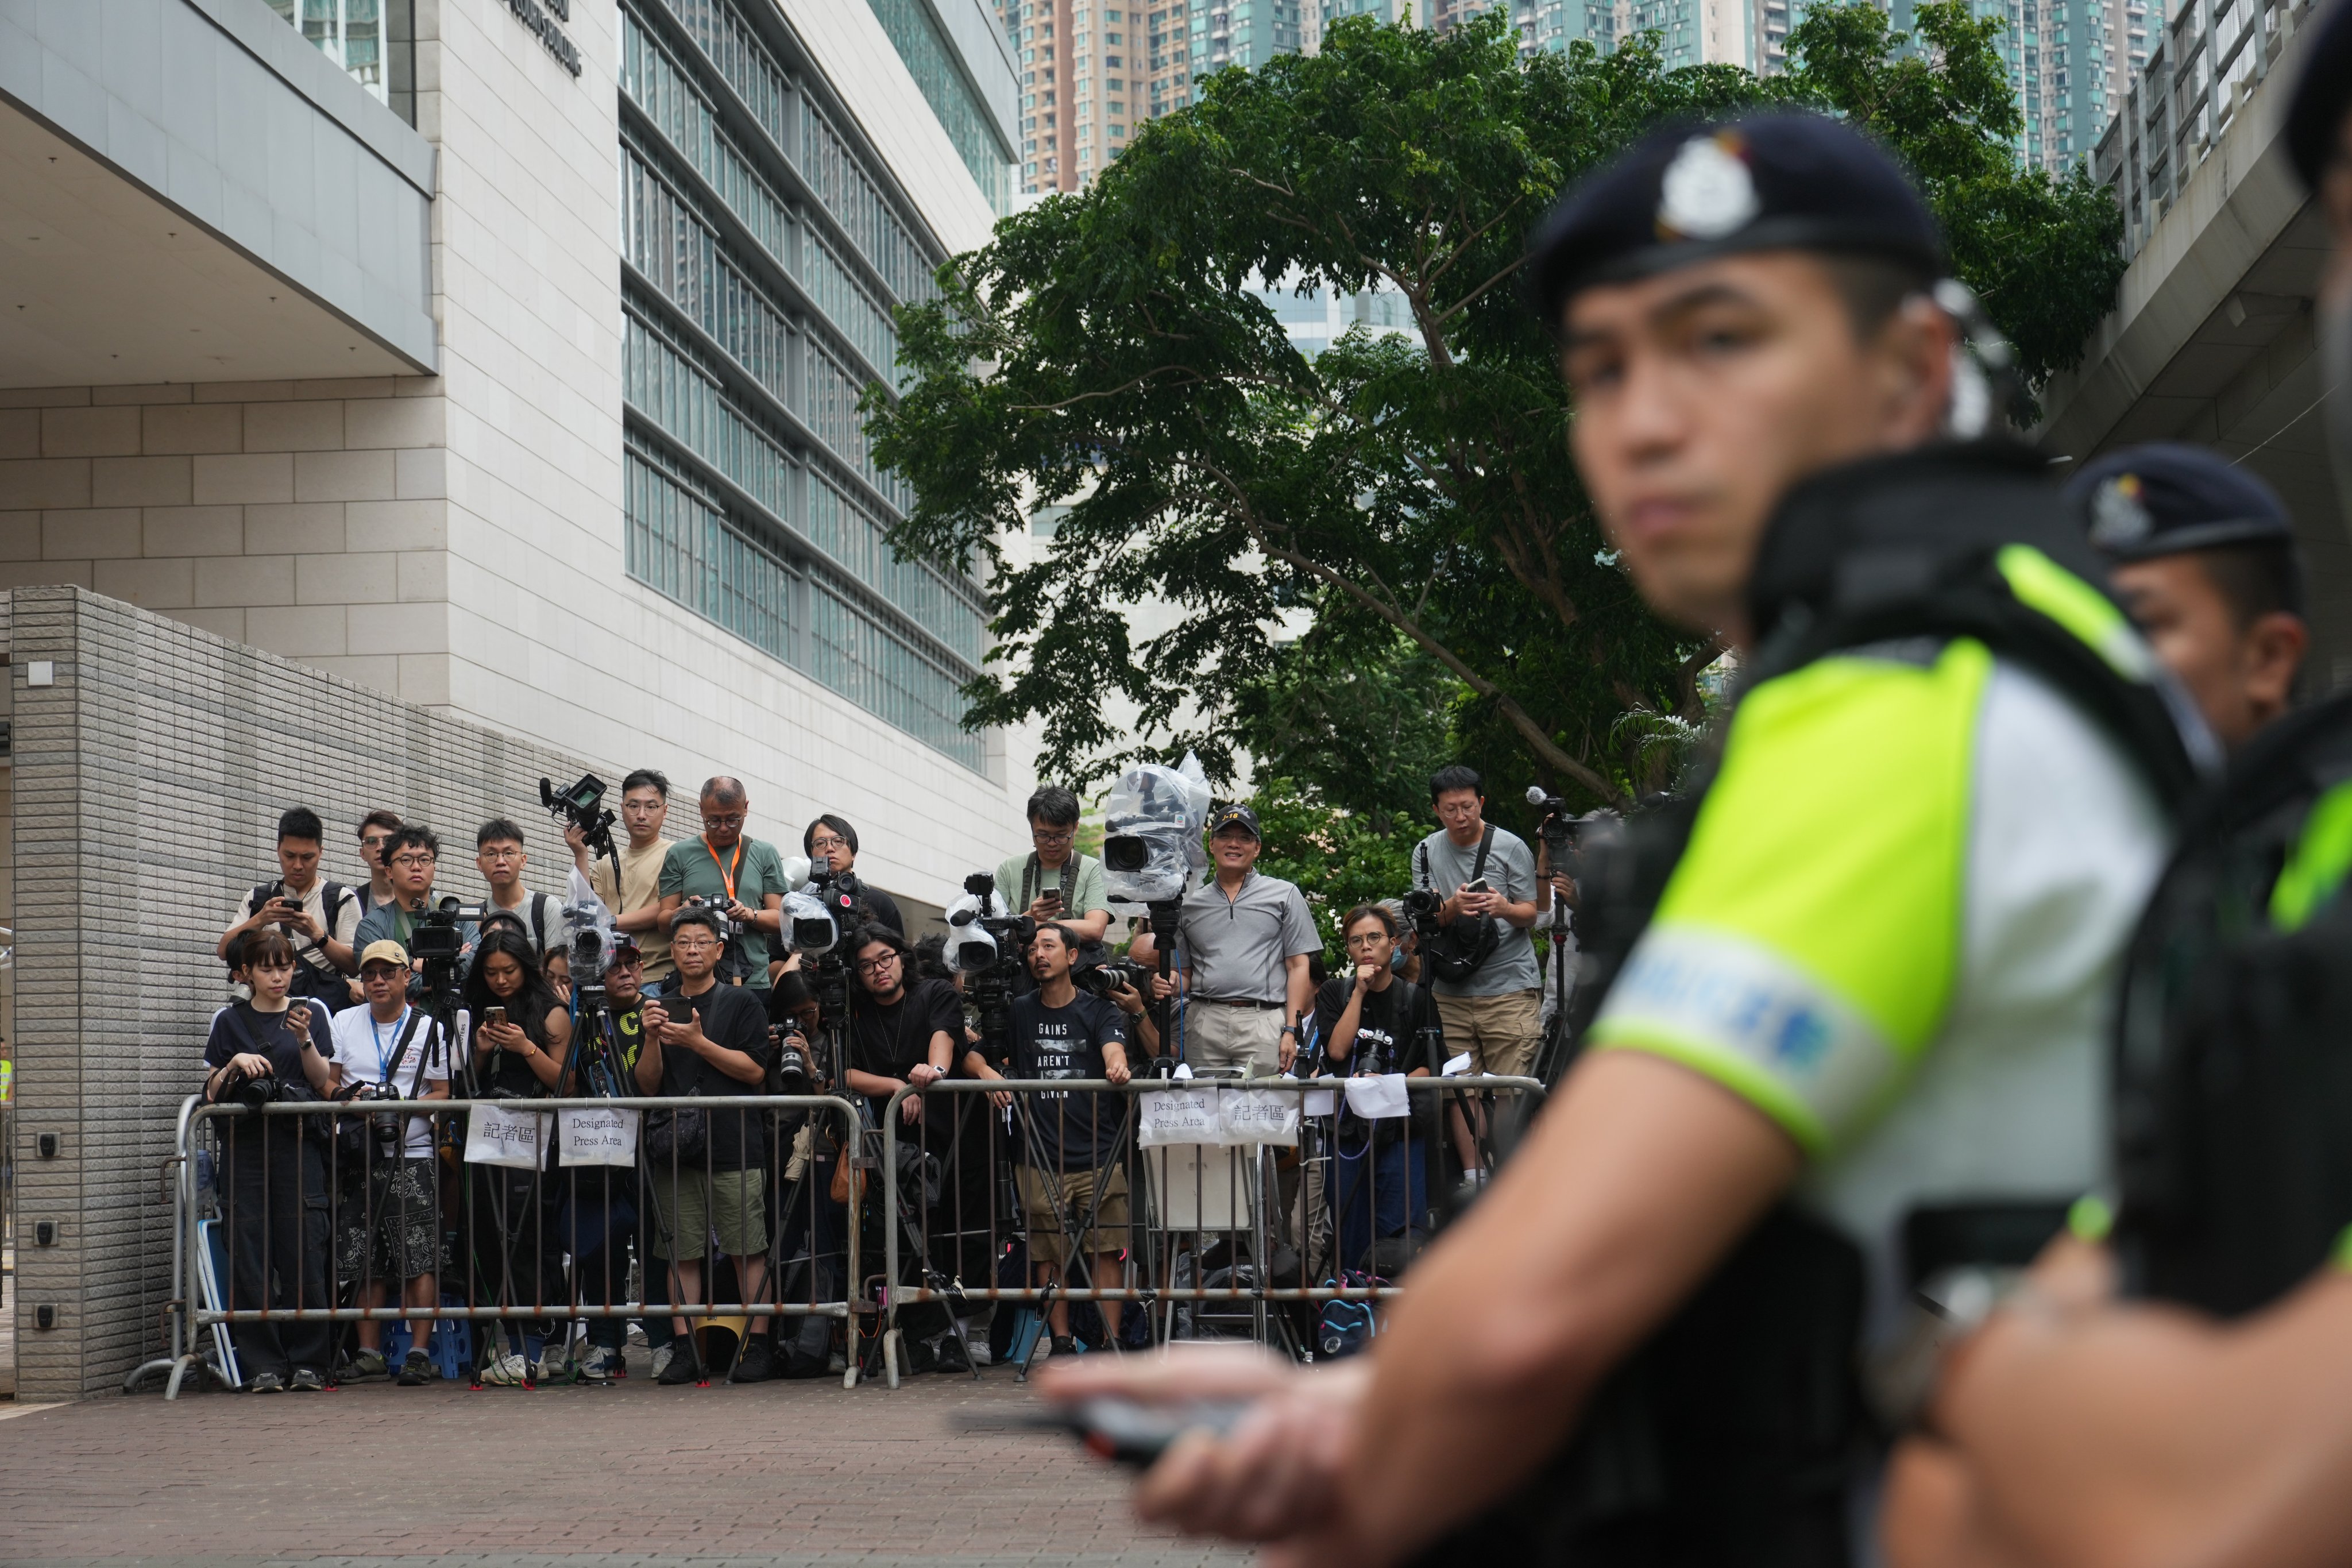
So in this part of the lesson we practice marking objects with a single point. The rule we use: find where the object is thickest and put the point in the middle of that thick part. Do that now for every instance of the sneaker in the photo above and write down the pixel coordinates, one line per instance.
(950, 1357)
(509, 1371)
(416, 1369)
(1064, 1345)
(307, 1381)
(600, 1365)
(662, 1360)
(266, 1383)
(681, 1369)
(365, 1367)
(755, 1362)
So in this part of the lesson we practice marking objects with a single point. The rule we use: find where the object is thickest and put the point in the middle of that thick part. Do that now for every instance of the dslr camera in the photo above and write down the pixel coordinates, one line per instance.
(1102, 979)
(250, 1090)
(1420, 907)
(793, 1074)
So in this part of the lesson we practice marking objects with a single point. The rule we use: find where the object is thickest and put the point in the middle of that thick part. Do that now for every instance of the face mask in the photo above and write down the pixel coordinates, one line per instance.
(2336, 368)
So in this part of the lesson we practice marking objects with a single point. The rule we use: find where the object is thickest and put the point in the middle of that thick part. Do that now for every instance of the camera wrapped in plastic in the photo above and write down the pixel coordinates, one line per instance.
(971, 947)
(1153, 819)
(809, 928)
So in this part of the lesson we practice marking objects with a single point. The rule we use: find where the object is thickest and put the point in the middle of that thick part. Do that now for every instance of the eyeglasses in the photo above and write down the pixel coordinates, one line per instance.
(731, 819)
(877, 965)
(376, 842)
(1040, 835)
(499, 855)
(829, 842)
(412, 860)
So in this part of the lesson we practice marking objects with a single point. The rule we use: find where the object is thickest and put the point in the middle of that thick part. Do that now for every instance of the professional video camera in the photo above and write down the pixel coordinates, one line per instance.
(1152, 819)
(985, 941)
(842, 894)
(1559, 828)
(811, 931)
(582, 806)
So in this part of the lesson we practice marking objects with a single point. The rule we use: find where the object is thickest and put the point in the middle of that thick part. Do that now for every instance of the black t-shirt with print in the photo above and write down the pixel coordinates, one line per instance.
(1067, 1131)
(732, 1017)
(1398, 1030)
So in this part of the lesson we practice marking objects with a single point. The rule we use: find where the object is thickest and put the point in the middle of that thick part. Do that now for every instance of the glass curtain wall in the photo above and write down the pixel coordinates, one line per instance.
(762, 256)
(375, 40)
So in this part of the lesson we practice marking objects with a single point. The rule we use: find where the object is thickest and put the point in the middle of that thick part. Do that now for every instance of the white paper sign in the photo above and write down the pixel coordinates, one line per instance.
(1261, 1116)
(1379, 1096)
(495, 1136)
(1455, 1065)
(1319, 1102)
(597, 1137)
(1178, 1116)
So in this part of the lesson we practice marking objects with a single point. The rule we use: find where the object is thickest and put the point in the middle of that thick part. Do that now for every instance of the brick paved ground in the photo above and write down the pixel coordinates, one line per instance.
(800, 1473)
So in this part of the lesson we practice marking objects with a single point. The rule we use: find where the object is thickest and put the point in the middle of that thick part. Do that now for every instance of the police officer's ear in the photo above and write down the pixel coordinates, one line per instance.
(1911, 359)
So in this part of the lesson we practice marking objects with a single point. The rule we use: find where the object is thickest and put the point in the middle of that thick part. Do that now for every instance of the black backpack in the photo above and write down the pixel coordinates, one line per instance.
(1467, 940)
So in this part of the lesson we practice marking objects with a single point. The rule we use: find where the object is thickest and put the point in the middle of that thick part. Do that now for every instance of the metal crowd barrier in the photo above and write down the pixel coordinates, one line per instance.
(511, 1244)
(1289, 1223)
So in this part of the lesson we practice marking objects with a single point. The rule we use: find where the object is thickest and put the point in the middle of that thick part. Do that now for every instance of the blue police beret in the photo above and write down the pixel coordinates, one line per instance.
(2315, 115)
(1782, 181)
(2162, 498)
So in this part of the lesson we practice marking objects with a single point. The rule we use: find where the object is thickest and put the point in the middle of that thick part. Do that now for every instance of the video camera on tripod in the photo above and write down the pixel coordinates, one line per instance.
(985, 941)
(1152, 820)
(582, 806)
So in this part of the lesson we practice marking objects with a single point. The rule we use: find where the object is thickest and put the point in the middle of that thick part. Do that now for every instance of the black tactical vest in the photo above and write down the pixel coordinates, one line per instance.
(1731, 1439)
(2233, 1043)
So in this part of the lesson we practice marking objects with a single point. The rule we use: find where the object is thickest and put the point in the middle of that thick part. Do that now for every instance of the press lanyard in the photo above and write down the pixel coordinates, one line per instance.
(726, 873)
(382, 1067)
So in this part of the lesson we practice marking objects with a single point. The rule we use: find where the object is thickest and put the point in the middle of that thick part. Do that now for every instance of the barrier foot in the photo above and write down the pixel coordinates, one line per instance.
(890, 1358)
(163, 1365)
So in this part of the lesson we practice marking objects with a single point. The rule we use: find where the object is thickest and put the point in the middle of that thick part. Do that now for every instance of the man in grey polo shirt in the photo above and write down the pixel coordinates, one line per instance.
(1495, 1012)
(1243, 946)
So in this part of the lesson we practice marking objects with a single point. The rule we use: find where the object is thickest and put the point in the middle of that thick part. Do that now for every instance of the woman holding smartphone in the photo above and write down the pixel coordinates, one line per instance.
(274, 1167)
(520, 1041)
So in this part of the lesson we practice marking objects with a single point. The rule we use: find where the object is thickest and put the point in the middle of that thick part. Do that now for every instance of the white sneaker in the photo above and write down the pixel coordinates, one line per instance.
(661, 1358)
(598, 1364)
(509, 1371)
(554, 1359)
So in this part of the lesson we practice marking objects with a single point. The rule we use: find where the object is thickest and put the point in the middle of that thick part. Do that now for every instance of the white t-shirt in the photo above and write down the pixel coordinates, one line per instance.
(364, 1050)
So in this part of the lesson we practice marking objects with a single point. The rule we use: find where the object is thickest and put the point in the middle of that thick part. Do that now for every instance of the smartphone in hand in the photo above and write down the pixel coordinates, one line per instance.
(1480, 886)
(494, 1015)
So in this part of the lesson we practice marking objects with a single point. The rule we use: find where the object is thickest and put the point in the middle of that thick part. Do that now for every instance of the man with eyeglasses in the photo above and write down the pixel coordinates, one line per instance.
(410, 856)
(1054, 882)
(740, 874)
(901, 1034)
(831, 841)
(498, 852)
(635, 896)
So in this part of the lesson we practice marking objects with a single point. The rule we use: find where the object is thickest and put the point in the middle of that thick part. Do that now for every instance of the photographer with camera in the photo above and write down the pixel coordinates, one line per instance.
(522, 1036)
(1480, 961)
(634, 894)
(1054, 881)
(320, 919)
(831, 844)
(1073, 1191)
(390, 1225)
(739, 878)
(1372, 1021)
(273, 1168)
(499, 854)
(707, 1038)
(411, 855)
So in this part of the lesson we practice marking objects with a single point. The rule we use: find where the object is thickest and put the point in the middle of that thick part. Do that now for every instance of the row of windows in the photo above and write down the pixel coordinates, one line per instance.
(830, 408)
(874, 668)
(684, 545)
(823, 159)
(670, 383)
(930, 60)
(679, 254)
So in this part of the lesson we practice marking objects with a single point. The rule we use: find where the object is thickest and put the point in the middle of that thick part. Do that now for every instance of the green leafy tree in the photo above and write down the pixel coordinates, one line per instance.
(1108, 348)
(1339, 858)
(1357, 723)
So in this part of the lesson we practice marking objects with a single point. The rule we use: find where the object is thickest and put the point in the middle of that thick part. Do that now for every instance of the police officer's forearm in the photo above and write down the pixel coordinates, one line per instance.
(2140, 1435)
(1638, 1179)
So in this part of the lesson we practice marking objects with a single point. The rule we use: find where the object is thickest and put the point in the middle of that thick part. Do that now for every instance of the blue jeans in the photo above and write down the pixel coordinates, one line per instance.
(1378, 1190)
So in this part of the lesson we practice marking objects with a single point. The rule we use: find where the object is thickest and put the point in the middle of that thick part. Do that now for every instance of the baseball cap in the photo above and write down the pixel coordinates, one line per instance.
(1787, 180)
(1234, 815)
(622, 946)
(384, 951)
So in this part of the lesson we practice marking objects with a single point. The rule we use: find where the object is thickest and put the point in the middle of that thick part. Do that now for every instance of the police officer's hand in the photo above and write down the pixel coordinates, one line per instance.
(1275, 1476)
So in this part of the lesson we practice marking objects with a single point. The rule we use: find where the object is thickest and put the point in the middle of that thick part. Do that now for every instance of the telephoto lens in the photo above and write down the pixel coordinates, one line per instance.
(792, 1062)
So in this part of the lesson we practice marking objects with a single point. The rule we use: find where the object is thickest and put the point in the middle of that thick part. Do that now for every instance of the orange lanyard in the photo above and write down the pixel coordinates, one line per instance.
(726, 872)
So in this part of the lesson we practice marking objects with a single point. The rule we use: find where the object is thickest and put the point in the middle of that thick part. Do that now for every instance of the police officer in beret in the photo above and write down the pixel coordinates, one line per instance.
(1853, 989)
(2179, 1389)
(2206, 562)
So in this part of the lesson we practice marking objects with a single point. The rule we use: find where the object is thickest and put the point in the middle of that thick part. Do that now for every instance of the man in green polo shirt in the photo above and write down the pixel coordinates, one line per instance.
(743, 875)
